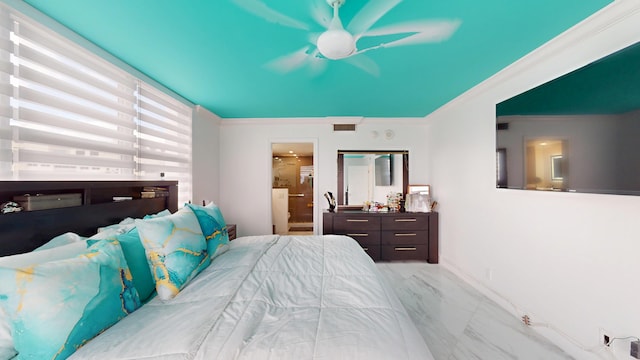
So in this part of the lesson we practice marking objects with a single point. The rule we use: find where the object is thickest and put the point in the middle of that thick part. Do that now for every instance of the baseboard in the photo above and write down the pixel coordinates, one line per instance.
(567, 344)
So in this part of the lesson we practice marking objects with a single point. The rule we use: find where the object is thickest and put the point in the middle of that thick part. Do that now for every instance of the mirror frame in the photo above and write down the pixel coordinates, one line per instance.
(341, 153)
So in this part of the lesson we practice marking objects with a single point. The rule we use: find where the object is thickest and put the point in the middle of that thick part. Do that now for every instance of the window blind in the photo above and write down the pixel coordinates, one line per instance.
(68, 114)
(164, 133)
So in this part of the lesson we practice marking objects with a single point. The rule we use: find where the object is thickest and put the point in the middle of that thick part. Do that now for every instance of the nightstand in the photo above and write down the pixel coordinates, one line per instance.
(231, 229)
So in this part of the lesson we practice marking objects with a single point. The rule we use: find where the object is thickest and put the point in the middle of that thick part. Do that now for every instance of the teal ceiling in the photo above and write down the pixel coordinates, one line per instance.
(214, 52)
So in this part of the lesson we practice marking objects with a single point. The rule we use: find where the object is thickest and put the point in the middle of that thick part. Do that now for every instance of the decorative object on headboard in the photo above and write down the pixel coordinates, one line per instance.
(26, 230)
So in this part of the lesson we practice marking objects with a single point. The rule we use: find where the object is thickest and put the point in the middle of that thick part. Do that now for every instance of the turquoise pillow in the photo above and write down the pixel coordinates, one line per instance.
(213, 226)
(55, 307)
(137, 260)
(176, 250)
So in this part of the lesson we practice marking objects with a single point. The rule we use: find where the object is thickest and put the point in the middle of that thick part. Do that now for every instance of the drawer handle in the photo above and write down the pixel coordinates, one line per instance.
(406, 249)
(363, 234)
(357, 220)
(411, 234)
(405, 220)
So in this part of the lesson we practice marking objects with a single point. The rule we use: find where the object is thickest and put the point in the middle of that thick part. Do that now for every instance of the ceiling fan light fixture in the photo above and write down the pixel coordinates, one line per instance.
(336, 44)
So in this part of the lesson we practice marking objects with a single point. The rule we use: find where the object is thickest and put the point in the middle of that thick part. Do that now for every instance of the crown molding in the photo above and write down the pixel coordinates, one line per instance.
(322, 121)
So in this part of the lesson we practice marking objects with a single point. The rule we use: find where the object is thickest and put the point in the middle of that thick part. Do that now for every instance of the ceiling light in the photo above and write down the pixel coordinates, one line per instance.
(336, 44)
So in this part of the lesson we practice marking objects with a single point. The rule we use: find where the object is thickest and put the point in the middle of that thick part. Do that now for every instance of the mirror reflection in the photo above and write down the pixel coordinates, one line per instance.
(371, 175)
(545, 164)
(577, 133)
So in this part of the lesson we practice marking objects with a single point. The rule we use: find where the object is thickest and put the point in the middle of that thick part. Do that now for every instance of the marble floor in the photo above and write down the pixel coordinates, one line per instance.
(458, 322)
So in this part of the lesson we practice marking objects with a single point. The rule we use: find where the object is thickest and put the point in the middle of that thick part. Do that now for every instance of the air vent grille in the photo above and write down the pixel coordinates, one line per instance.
(344, 127)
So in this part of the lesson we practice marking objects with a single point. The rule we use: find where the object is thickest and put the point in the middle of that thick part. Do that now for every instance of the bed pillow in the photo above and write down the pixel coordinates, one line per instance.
(55, 307)
(25, 260)
(213, 226)
(60, 240)
(137, 260)
(46, 255)
(162, 213)
(124, 226)
(7, 351)
(176, 250)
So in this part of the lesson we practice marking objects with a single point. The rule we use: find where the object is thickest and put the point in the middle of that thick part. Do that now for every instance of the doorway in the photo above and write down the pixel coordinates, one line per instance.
(293, 188)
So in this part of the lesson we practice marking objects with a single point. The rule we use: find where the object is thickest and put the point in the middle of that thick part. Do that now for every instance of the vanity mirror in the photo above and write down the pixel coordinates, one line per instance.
(369, 175)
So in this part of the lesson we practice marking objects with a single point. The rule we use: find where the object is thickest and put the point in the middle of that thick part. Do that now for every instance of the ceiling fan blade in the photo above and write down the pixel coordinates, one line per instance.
(364, 63)
(417, 33)
(369, 15)
(321, 13)
(313, 38)
(437, 29)
(261, 10)
(317, 64)
(290, 62)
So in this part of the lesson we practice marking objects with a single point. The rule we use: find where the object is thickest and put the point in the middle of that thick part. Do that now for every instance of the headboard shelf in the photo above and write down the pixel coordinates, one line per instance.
(24, 231)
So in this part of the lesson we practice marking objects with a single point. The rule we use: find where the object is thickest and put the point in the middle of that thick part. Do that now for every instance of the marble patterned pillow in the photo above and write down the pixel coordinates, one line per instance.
(55, 307)
(7, 351)
(213, 226)
(175, 248)
(61, 240)
(25, 260)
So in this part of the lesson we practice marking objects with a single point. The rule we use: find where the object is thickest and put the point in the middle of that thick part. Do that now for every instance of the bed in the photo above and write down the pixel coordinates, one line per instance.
(263, 297)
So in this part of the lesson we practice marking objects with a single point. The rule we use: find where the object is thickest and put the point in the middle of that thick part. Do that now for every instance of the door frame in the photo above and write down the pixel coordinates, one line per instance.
(313, 141)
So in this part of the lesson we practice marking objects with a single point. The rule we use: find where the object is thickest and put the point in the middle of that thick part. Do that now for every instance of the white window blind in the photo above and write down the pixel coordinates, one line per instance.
(164, 133)
(68, 114)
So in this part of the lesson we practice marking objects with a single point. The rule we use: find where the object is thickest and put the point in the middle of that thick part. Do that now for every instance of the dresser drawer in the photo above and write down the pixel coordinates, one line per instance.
(401, 252)
(365, 238)
(373, 251)
(355, 223)
(406, 222)
(403, 237)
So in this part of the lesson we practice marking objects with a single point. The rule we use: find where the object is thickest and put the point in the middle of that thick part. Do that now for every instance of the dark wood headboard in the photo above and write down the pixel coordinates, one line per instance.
(26, 230)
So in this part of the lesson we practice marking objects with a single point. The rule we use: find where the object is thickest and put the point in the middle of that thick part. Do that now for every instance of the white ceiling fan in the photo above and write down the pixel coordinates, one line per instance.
(338, 43)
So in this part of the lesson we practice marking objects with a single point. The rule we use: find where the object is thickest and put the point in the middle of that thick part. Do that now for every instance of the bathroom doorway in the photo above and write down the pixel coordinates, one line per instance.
(293, 188)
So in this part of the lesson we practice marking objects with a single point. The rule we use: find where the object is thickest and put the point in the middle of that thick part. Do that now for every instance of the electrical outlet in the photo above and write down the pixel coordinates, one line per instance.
(605, 339)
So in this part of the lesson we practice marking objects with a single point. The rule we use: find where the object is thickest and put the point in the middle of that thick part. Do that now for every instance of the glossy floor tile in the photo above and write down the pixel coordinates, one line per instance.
(458, 322)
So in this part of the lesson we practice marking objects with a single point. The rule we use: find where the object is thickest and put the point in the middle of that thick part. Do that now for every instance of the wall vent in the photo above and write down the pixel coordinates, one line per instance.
(344, 127)
(502, 126)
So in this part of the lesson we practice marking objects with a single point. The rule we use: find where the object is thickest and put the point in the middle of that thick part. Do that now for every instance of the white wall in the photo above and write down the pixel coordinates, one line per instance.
(568, 260)
(245, 160)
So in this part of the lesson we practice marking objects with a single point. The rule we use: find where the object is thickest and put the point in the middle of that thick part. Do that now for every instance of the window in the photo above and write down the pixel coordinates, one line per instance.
(68, 114)
(164, 139)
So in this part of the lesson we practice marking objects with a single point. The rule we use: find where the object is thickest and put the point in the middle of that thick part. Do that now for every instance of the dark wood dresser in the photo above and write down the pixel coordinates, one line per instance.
(388, 236)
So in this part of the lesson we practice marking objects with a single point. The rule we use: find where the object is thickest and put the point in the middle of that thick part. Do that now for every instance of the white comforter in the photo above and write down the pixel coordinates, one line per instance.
(272, 297)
